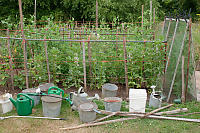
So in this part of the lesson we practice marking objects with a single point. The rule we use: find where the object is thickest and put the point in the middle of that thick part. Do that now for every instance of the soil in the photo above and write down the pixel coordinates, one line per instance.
(91, 92)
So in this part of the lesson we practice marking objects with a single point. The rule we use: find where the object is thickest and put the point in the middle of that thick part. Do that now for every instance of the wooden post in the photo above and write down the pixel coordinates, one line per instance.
(178, 60)
(84, 66)
(23, 43)
(150, 13)
(35, 12)
(183, 83)
(10, 62)
(90, 58)
(154, 21)
(116, 42)
(47, 60)
(125, 65)
(96, 14)
(142, 16)
(187, 76)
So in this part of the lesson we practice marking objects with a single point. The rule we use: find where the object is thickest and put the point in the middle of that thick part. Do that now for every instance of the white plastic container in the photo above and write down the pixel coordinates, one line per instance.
(137, 100)
(5, 104)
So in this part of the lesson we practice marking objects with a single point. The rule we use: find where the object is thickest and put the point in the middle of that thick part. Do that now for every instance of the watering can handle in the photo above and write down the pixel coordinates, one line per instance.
(54, 87)
(32, 100)
(79, 90)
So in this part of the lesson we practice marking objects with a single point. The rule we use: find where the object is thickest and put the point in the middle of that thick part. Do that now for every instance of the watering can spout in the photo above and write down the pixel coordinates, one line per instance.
(13, 101)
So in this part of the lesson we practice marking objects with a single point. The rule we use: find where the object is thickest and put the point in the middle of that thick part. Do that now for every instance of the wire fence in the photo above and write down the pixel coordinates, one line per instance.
(180, 66)
(74, 56)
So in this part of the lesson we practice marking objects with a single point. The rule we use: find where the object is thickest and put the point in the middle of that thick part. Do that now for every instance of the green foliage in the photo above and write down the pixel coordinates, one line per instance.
(145, 60)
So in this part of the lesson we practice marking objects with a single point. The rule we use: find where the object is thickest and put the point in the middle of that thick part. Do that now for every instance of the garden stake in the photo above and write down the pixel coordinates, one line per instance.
(97, 124)
(183, 83)
(171, 46)
(156, 110)
(47, 60)
(35, 117)
(23, 43)
(10, 62)
(190, 37)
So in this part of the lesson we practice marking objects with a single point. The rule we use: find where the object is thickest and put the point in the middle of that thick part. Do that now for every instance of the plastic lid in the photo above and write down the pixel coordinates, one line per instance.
(110, 87)
(87, 106)
(51, 98)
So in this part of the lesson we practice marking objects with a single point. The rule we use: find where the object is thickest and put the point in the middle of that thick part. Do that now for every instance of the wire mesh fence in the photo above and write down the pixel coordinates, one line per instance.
(82, 55)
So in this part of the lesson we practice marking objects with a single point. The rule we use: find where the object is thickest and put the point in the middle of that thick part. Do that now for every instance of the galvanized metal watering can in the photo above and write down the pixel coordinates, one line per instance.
(78, 98)
(23, 104)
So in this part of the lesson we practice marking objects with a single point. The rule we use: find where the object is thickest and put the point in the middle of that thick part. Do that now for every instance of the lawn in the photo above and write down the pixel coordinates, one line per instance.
(18, 125)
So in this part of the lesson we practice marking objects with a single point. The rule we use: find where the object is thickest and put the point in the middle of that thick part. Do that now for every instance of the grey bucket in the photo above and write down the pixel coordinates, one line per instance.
(51, 106)
(112, 104)
(36, 98)
(109, 90)
(86, 112)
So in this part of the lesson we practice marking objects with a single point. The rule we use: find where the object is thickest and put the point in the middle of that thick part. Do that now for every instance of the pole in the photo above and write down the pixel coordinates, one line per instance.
(96, 14)
(35, 13)
(142, 15)
(150, 13)
(154, 21)
(125, 65)
(84, 66)
(183, 83)
(187, 76)
(23, 43)
(170, 51)
(47, 60)
(10, 62)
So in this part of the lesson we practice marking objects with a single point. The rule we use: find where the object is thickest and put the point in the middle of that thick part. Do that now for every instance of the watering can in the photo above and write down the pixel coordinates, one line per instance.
(23, 104)
(78, 98)
(56, 91)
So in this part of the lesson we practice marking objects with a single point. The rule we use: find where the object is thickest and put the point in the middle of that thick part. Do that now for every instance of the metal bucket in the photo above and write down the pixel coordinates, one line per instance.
(86, 112)
(112, 104)
(109, 90)
(36, 98)
(51, 106)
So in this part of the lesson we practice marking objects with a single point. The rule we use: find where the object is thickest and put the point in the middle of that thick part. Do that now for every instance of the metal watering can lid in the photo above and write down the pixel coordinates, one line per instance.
(49, 99)
(90, 106)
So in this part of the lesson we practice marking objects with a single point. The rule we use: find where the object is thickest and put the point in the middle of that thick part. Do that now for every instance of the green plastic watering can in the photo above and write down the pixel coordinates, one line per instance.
(23, 104)
(55, 90)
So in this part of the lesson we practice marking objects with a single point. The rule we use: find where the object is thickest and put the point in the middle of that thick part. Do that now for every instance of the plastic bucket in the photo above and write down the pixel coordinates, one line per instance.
(137, 100)
(5, 104)
(109, 90)
(51, 106)
(86, 112)
(36, 98)
(112, 104)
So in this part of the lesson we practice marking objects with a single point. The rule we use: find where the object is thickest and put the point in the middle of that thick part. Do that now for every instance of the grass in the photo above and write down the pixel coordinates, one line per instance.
(18, 125)
(196, 39)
